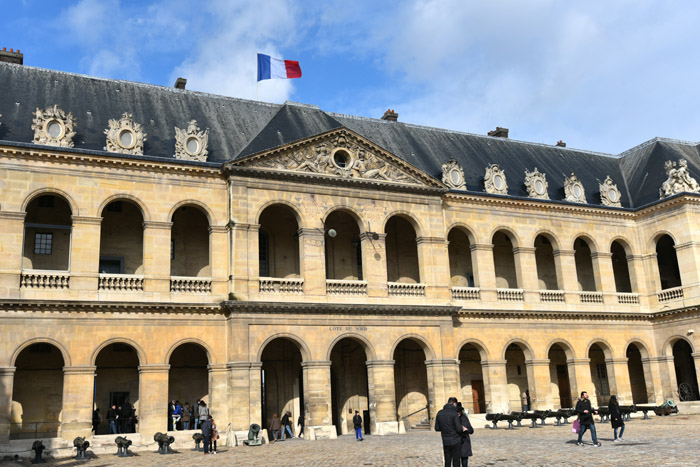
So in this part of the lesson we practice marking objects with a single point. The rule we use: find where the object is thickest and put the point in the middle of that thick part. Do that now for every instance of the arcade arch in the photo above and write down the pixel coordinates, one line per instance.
(278, 242)
(349, 383)
(342, 247)
(584, 265)
(621, 270)
(47, 233)
(411, 382)
(282, 379)
(686, 373)
(461, 259)
(471, 378)
(121, 238)
(189, 243)
(667, 260)
(117, 383)
(504, 260)
(546, 267)
(401, 251)
(188, 377)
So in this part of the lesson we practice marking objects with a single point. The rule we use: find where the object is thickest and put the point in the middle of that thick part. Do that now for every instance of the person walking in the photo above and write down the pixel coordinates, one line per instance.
(357, 423)
(96, 420)
(112, 419)
(287, 425)
(448, 424)
(466, 440)
(206, 433)
(300, 422)
(275, 426)
(177, 414)
(616, 419)
(585, 417)
(195, 414)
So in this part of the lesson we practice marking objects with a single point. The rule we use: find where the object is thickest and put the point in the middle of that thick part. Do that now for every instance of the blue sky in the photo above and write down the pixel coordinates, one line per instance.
(600, 75)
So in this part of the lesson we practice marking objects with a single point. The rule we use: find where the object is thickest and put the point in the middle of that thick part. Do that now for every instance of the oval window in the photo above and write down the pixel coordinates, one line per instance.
(54, 129)
(455, 177)
(498, 182)
(192, 145)
(126, 138)
(612, 194)
(341, 159)
(539, 187)
(577, 191)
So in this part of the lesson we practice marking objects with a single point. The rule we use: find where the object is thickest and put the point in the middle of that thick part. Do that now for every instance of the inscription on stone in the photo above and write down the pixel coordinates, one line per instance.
(347, 328)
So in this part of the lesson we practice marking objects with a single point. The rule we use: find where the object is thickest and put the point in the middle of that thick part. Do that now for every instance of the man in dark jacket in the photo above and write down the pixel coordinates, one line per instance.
(585, 417)
(207, 432)
(112, 418)
(466, 440)
(448, 424)
(357, 424)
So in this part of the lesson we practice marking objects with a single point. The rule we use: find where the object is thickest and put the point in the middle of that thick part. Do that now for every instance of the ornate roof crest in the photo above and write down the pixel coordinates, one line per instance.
(573, 189)
(53, 127)
(609, 194)
(191, 144)
(678, 180)
(453, 175)
(125, 136)
(495, 180)
(536, 184)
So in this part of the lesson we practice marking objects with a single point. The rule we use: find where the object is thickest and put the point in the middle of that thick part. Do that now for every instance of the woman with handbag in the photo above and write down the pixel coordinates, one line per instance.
(214, 437)
(616, 418)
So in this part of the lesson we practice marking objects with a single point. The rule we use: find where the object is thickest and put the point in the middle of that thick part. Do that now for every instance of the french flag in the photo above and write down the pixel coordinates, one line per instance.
(271, 68)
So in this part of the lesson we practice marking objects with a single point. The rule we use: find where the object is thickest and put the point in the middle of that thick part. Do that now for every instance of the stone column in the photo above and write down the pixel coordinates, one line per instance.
(219, 259)
(443, 383)
(651, 267)
(484, 270)
(605, 276)
(313, 261)
(317, 398)
(635, 264)
(696, 359)
(434, 264)
(7, 380)
(156, 258)
(583, 380)
(245, 394)
(567, 277)
(245, 270)
(496, 386)
(78, 395)
(374, 263)
(669, 385)
(218, 394)
(688, 254)
(526, 269)
(85, 253)
(11, 235)
(540, 384)
(653, 380)
(153, 399)
(619, 379)
(382, 397)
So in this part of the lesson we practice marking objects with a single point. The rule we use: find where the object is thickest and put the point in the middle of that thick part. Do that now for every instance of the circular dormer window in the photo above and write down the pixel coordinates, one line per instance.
(192, 146)
(578, 191)
(539, 187)
(54, 129)
(613, 195)
(498, 182)
(341, 159)
(126, 139)
(455, 177)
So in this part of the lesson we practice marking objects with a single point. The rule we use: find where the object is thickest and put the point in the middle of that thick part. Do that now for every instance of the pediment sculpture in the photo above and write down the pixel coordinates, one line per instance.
(609, 194)
(125, 136)
(191, 144)
(495, 180)
(453, 175)
(678, 180)
(573, 189)
(536, 184)
(53, 127)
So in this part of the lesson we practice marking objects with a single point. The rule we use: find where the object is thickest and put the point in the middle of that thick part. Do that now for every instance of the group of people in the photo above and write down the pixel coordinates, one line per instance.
(453, 424)
(121, 418)
(279, 429)
(587, 423)
(185, 417)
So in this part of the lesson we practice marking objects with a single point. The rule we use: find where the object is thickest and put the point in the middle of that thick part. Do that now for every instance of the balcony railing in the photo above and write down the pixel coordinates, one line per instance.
(283, 286)
(510, 295)
(121, 282)
(591, 297)
(52, 280)
(670, 294)
(628, 298)
(552, 296)
(343, 287)
(403, 289)
(466, 293)
(197, 285)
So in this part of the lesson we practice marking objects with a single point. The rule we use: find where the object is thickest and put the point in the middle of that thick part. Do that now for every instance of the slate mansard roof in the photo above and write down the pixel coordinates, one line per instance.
(240, 128)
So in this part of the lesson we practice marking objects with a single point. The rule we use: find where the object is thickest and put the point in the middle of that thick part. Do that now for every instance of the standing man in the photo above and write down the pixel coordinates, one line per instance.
(177, 414)
(447, 422)
(287, 425)
(585, 416)
(195, 414)
(112, 418)
(207, 432)
(357, 423)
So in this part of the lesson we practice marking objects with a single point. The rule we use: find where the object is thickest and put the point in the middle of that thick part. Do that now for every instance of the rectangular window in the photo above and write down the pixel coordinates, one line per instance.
(602, 371)
(111, 265)
(43, 243)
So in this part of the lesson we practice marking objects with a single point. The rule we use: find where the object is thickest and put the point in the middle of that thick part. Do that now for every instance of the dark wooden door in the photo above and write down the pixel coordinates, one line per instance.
(478, 396)
(564, 388)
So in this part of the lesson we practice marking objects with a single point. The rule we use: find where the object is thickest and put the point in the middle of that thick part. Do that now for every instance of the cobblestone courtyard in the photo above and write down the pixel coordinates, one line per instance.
(671, 440)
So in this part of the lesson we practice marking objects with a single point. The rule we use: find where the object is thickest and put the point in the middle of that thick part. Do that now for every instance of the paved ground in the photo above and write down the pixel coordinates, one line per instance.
(673, 440)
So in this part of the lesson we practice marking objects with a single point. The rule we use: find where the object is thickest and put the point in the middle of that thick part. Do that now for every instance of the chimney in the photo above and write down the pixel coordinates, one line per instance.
(180, 83)
(499, 132)
(11, 56)
(390, 116)
(561, 144)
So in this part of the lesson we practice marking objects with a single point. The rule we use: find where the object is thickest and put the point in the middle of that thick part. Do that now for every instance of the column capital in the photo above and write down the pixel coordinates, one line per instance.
(311, 232)
(379, 363)
(683, 246)
(153, 369)
(157, 225)
(617, 360)
(79, 370)
(481, 247)
(601, 254)
(695, 355)
(442, 362)
(86, 220)
(243, 365)
(216, 367)
(16, 216)
(537, 362)
(579, 361)
(655, 359)
(252, 227)
(7, 370)
(316, 364)
(435, 240)
(218, 229)
(524, 249)
(488, 363)
(557, 253)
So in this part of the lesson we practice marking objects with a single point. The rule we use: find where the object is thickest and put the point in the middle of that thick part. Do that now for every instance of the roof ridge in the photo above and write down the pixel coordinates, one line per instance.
(657, 139)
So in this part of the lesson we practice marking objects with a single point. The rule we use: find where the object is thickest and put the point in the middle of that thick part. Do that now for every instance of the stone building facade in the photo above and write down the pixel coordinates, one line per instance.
(160, 244)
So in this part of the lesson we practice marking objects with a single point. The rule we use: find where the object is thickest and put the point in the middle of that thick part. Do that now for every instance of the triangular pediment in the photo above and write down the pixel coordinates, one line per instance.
(340, 154)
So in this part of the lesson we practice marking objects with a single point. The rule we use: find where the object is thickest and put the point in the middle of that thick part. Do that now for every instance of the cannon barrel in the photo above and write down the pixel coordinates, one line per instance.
(38, 448)
(81, 445)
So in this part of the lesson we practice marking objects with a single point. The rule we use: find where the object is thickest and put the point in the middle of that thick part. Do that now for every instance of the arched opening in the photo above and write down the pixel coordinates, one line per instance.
(349, 384)
(117, 384)
(546, 269)
(459, 250)
(188, 378)
(471, 379)
(121, 239)
(621, 270)
(584, 265)
(401, 251)
(411, 384)
(599, 374)
(669, 272)
(278, 243)
(189, 243)
(47, 234)
(637, 378)
(37, 393)
(686, 375)
(516, 376)
(282, 380)
(504, 261)
(343, 247)
(559, 374)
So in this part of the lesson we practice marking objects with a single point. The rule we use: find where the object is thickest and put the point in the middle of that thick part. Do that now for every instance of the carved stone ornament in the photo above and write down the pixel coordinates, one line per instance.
(678, 180)
(125, 136)
(609, 194)
(53, 127)
(573, 189)
(191, 144)
(453, 175)
(495, 180)
(536, 184)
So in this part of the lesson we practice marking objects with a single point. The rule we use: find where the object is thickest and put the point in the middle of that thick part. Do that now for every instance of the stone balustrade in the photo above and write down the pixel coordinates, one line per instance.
(120, 282)
(670, 294)
(466, 293)
(552, 296)
(628, 298)
(197, 285)
(278, 285)
(591, 297)
(346, 287)
(510, 295)
(403, 289)
(37, 279)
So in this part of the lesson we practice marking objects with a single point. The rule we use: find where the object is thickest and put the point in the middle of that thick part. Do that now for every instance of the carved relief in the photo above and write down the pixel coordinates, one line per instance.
(191, 144)
(125, 136)
(536, 184)
(495, 180)
(609, 194)
(573, 189)
(678, 180)
(53, 127)
(453, 175)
